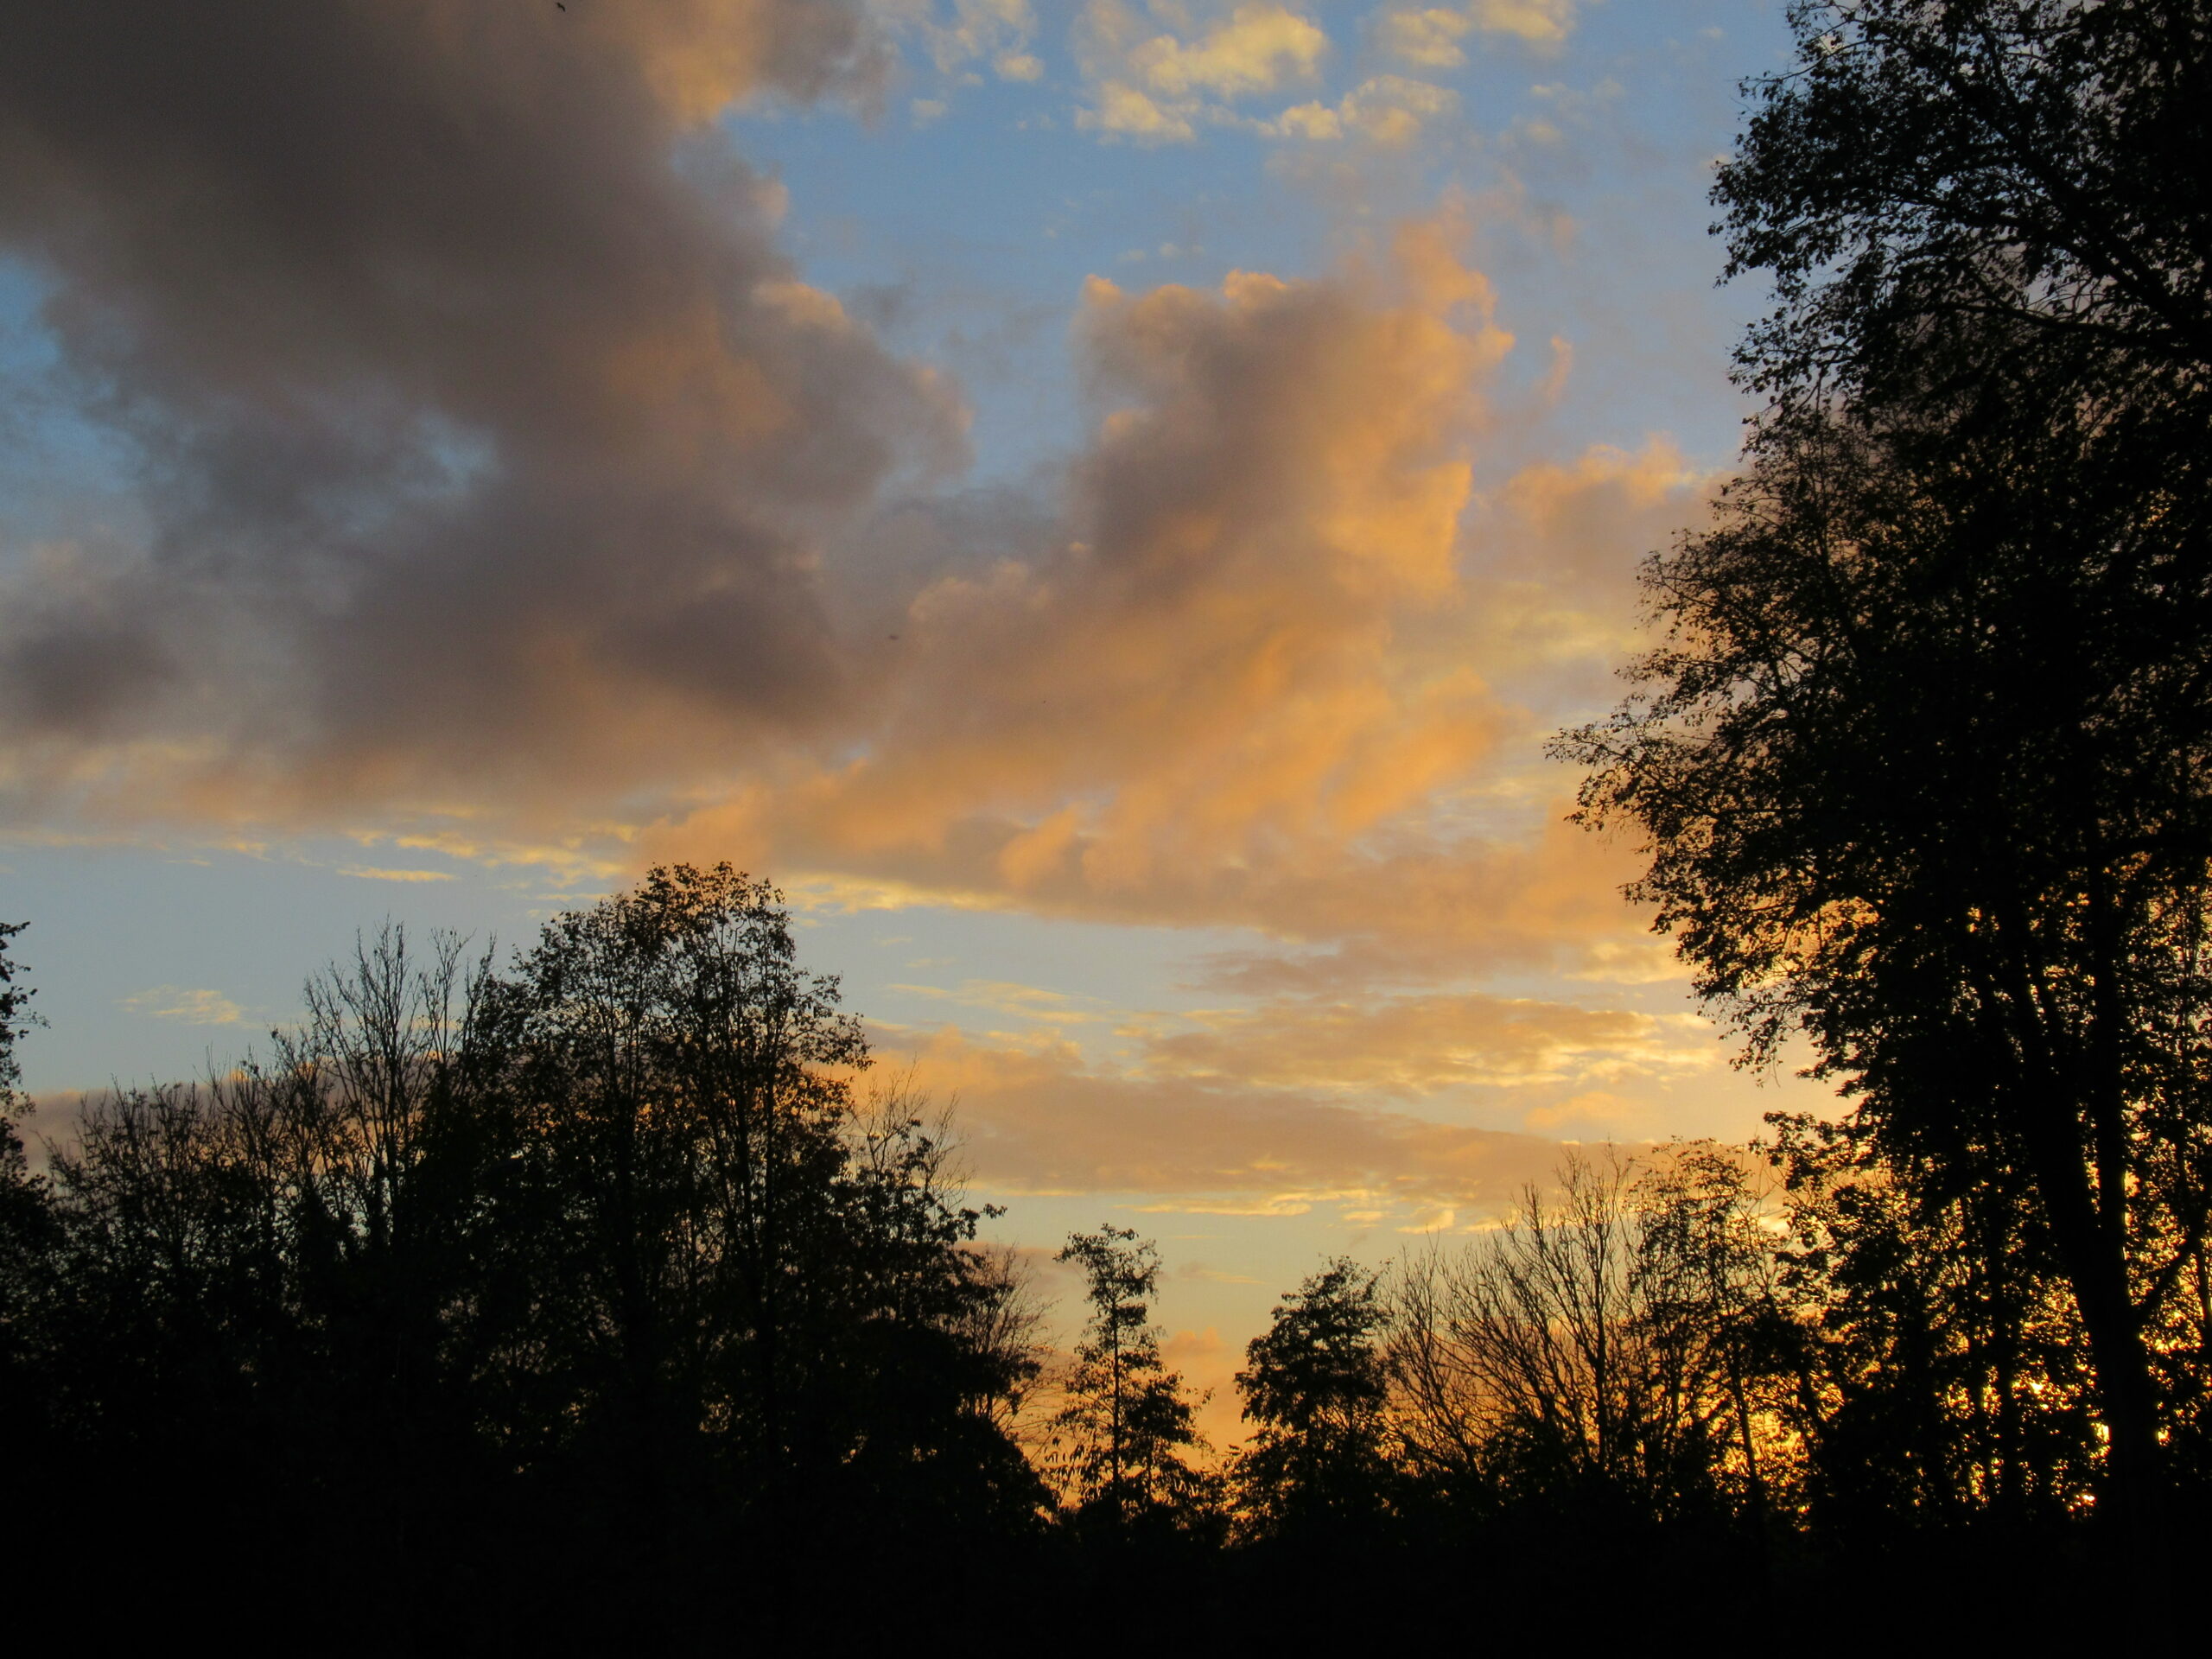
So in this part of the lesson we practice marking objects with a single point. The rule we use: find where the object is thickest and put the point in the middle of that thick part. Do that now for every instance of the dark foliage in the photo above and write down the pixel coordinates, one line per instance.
(2030, 175)
(579, 1307)
(1322, 1464)
(1125, 1436)
(1922, 766)
(579, 1297)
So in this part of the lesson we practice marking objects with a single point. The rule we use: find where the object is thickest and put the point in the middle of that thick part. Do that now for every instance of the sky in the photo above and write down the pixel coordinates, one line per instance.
(1102, 502)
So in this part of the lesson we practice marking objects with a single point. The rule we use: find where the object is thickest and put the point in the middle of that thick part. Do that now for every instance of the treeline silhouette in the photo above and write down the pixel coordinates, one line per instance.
(585, 1301)
(552, 1287)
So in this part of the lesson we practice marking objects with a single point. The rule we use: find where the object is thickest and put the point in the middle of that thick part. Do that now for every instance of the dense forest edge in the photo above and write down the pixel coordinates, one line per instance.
(597, 1298)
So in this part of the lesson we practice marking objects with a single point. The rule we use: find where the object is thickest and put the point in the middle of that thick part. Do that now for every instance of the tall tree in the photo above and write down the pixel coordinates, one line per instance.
(2040, 171)
(682, 1089)
(16, 1186)
(1922, 764)
(1316, 1389)
(1922, 773)
(1126, 1430)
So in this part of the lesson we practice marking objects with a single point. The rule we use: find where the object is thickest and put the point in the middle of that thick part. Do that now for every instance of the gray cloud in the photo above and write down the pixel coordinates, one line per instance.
(484, 433)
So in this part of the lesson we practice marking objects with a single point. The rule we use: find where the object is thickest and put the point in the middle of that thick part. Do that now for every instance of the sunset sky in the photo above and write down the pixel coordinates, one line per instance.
(1102, 502)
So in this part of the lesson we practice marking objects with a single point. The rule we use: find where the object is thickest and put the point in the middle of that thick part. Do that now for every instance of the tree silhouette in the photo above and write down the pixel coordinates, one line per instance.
(1320, 1461)
(1597, 1354)
(580, 1296)
(21, 1196)
(583, 1301)
(1921, 765)
(1125, 1430)
(1943, 1382)
(1923, 776)
(2028, 172)
(28, 1238)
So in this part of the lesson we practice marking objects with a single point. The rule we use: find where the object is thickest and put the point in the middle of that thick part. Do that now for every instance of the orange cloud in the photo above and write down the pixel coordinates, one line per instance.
(510, 532)
(1419, 1045)
(1151, 85)
(1242, 662)
(1036, 1119)
(1430, 36)
(1282, 666)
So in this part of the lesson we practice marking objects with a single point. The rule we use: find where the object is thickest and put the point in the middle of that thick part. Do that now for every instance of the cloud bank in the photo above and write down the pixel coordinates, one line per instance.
(486, 479)
(485, 436)
(479, 475)
(1039, 1120)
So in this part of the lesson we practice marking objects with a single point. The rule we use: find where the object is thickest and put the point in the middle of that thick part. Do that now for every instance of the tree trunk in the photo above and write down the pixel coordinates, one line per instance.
(2095, 1266)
